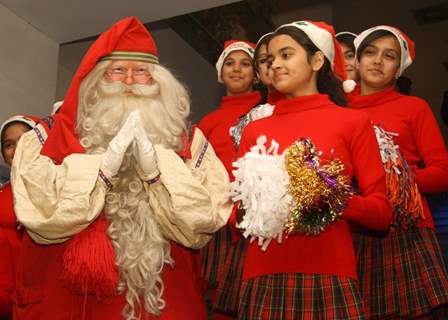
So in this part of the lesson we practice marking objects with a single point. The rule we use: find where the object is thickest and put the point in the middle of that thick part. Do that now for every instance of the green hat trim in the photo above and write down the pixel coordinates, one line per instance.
(130, 55)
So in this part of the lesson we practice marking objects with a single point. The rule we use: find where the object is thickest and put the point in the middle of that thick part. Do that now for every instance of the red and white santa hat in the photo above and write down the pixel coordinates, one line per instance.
(28, 120)
(231, 46)
(322, 35)
(407, 46)
(128, 39)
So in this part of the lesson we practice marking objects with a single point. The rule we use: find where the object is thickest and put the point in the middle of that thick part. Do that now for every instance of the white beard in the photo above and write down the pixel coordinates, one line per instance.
(133, 226)
(112, 108)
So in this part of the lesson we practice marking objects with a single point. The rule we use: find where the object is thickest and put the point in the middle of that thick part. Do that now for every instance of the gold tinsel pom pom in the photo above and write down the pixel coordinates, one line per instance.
(319, 188)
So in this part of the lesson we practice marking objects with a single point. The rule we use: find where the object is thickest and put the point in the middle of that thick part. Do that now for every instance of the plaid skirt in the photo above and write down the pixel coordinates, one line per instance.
(230, 280)
(401, 274)
(214, 254)
(300, 296)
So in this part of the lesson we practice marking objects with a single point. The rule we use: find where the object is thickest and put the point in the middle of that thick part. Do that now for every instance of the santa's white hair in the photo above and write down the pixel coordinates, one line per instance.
(140, 248)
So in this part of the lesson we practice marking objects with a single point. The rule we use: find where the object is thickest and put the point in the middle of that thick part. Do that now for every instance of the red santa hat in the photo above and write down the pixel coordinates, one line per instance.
(128, 39)
(231, 46)
(407, 46)
(322, 35)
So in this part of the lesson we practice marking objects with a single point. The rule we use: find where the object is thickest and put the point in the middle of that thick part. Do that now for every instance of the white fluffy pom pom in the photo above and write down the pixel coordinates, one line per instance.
(348, 86)
(261, 184)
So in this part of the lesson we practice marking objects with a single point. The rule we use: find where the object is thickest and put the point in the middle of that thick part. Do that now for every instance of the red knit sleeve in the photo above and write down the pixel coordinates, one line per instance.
(370, 208)
(432, 150)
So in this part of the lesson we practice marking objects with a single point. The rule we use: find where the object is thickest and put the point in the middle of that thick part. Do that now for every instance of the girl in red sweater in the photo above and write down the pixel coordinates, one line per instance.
(235, 70)
(402, 274)
(308, 270)
(10, 236)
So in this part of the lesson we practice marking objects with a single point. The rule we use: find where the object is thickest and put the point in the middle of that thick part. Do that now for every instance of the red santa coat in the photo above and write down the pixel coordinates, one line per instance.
(419, 137)
(10, 239)
(347, 135)
(39, 289)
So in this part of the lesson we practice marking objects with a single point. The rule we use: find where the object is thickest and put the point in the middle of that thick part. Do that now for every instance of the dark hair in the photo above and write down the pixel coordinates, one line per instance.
(404, 85)
(369, 39)
(347, 39)
(259, 86)
(327, 81)
(263, 41)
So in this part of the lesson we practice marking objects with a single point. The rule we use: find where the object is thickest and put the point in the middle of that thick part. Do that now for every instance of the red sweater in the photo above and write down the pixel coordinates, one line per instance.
(216, 125)
(419, 137)
(274, 97)
(349, 134)
(10, 240)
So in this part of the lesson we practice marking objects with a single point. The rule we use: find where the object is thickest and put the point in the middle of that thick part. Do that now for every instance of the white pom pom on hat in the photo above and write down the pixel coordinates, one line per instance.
(231, 46)
(348, 85)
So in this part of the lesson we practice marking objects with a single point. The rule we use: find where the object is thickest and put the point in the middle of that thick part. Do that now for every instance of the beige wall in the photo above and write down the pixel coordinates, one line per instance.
(28, 67)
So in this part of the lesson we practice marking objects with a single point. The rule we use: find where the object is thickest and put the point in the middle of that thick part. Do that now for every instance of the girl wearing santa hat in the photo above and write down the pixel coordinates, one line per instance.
(346, 39)
(402, 273)
(10, 236)
(269, 96)
(235, 70)
(292, 186)
(261, 66)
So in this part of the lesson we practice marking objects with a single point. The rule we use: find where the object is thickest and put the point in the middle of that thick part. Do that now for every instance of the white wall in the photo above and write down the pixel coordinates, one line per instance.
(28, 69)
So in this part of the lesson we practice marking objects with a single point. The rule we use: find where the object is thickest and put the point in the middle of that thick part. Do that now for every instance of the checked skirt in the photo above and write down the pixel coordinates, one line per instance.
(296, 296)
(402, 274)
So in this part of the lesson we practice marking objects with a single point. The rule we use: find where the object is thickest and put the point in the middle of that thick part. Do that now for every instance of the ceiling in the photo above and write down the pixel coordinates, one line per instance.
(68, 20)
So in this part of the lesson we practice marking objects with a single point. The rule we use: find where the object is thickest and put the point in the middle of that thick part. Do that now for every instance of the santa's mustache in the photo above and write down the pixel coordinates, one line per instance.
(118, 88)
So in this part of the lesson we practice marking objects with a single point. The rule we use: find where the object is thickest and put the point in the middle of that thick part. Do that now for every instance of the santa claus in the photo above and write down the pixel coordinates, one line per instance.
(115, 191)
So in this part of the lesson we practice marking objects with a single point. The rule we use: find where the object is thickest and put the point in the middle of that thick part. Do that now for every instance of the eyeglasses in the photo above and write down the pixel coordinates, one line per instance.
(121, 73)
